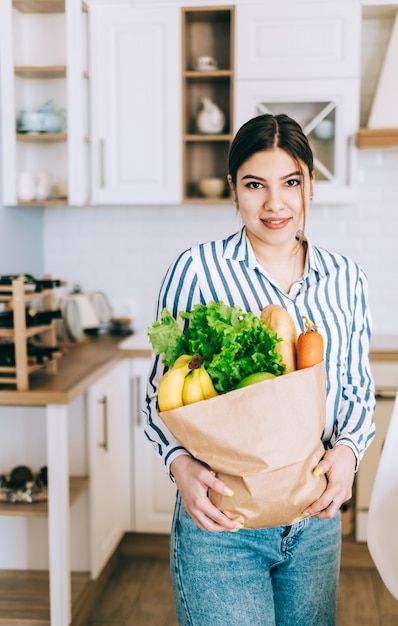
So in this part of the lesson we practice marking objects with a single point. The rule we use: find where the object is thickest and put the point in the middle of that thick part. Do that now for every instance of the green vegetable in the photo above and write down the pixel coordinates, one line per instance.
(233, 343)
(253, 379)
(164, 336)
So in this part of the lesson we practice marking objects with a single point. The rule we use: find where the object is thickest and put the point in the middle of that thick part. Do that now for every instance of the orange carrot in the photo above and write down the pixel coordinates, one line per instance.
(309, 346)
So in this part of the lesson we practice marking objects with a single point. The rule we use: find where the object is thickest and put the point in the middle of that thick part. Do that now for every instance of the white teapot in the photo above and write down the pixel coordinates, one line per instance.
(210, 119)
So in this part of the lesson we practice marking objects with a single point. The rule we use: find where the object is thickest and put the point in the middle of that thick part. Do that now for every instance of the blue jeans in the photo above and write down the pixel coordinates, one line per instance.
(281, 576)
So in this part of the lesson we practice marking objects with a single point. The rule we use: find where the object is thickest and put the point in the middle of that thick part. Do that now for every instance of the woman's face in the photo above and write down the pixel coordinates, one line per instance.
(269, 192)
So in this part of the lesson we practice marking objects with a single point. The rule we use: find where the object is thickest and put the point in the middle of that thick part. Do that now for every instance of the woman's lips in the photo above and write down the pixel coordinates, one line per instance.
(276, 224)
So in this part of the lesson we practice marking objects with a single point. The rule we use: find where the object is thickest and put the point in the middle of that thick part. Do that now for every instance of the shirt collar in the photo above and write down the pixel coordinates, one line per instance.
(238, 248)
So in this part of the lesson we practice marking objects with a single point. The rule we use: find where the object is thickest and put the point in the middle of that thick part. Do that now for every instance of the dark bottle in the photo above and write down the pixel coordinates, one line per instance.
(32, 317)
(36, 354)
(37, 318)
(33, 284)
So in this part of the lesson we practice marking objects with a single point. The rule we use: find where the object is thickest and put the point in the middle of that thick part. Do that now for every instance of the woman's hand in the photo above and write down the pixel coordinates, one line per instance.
(193, 481)
(338, 465)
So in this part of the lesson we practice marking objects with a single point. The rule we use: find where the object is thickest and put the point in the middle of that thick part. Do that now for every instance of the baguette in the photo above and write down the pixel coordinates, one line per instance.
(281, 322)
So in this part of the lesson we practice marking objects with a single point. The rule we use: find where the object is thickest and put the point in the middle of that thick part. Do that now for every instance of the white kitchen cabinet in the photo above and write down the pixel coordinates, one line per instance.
(297, 40)
(109, 463)
(85, 445)
(303, 59)
(43, 57)
(386, 382)
(135, 105)
(311, 102)
(153, 491)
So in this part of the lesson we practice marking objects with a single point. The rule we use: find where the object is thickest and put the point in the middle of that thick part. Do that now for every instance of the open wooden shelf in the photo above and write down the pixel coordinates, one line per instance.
(377, 137)
(47, 202)
(77, 484)
(41, 137)
(206, 31)
(30, 71)
(39, 6)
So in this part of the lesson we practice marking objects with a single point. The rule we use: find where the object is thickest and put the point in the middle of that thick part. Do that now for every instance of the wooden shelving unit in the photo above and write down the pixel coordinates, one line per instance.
(19, 375)
(206, 32)
(377, 137)
(77, 485)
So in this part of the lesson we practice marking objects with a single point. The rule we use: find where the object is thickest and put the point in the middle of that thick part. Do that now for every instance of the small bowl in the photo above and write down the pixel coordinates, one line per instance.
(211, 187)
(324, 130)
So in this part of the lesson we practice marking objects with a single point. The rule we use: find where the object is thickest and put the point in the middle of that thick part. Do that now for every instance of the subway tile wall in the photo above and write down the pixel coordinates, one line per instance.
(124, 251)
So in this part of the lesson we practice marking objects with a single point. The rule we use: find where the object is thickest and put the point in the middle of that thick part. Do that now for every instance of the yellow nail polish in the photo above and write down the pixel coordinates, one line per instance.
(229, 492)
(235, 530)
(316, 472)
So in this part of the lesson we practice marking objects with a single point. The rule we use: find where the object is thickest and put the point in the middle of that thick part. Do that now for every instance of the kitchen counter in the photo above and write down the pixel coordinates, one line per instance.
(81, 365)
(384, 348)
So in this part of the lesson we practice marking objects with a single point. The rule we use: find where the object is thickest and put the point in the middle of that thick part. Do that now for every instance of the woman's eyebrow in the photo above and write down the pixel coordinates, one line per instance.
(297, 173)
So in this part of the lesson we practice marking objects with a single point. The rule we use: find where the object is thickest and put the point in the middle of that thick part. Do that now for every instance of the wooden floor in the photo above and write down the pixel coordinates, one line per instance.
(136, 590)
(129, 597)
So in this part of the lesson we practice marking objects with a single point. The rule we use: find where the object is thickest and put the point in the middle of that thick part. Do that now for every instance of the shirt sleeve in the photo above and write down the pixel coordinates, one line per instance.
(355, 425)
(179, 292)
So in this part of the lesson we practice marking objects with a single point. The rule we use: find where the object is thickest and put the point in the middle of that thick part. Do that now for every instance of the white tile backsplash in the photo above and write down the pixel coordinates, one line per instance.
(124, 251)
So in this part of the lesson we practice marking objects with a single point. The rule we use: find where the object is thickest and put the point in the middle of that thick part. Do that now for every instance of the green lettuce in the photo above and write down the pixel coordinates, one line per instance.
(232, 343)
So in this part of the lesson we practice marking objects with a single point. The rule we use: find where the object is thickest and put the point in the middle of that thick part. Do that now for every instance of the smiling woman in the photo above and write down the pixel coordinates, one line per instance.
(269, 261)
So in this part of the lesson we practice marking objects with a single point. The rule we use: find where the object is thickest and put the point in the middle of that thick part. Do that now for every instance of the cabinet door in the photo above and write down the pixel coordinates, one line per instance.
(311, 103)
(154, 492)
(386, 382)
(109, 452)
(135, 100)
(291, 40)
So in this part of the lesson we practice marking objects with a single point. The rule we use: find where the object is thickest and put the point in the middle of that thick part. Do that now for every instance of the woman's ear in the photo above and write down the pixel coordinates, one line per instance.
(231, 186)
(312, 180)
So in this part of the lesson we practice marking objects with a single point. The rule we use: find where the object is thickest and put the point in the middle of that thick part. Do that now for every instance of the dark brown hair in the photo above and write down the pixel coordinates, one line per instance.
(266, 132)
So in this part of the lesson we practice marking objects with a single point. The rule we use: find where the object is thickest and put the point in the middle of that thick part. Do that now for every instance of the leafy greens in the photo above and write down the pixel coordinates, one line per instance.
(232, 343)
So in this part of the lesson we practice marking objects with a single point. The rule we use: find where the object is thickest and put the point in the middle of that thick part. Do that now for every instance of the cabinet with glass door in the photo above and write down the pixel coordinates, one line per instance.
(328, 111)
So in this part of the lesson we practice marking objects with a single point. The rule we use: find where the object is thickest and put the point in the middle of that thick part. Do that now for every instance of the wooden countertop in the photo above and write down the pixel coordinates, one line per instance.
(85, 363)
(81, 365)
(384, 348)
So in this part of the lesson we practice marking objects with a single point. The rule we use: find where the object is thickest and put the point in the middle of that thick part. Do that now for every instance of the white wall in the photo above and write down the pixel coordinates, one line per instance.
(124, 251)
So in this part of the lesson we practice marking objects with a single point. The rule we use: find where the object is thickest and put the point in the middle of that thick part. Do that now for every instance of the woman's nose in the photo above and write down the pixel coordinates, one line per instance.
(273, 199)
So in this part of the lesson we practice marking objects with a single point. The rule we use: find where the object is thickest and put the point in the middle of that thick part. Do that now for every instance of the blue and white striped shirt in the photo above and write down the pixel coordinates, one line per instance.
(332, 293)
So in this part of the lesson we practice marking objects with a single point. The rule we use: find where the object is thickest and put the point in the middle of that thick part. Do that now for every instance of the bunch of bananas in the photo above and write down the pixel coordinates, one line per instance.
(186, 382)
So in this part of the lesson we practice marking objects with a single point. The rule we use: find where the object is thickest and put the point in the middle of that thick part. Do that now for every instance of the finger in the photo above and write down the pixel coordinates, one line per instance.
(320, 469)
(218, 486)
(213, 520)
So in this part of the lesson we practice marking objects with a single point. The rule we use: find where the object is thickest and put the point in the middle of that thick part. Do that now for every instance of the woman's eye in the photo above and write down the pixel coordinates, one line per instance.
(292, 182)
(254, 185)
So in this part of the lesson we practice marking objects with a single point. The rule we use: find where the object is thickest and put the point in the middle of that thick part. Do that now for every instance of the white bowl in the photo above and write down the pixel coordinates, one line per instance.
(211, 187)
(324, 130)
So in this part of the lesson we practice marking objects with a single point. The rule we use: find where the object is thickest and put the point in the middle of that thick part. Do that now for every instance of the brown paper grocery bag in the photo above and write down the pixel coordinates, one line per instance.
(263, 441)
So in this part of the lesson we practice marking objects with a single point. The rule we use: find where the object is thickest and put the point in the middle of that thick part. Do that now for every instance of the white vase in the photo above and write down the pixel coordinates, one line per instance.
(210, 119)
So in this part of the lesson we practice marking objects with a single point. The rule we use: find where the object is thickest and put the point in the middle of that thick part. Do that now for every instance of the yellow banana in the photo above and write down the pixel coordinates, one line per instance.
(182, 360)
(171, 386)
(192, 389)
(206, 383)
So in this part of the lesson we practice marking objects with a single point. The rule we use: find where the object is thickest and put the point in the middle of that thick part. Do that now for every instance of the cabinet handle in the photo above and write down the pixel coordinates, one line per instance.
(386, 393)
(102, 162)
(104, 443)
(136, 395)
